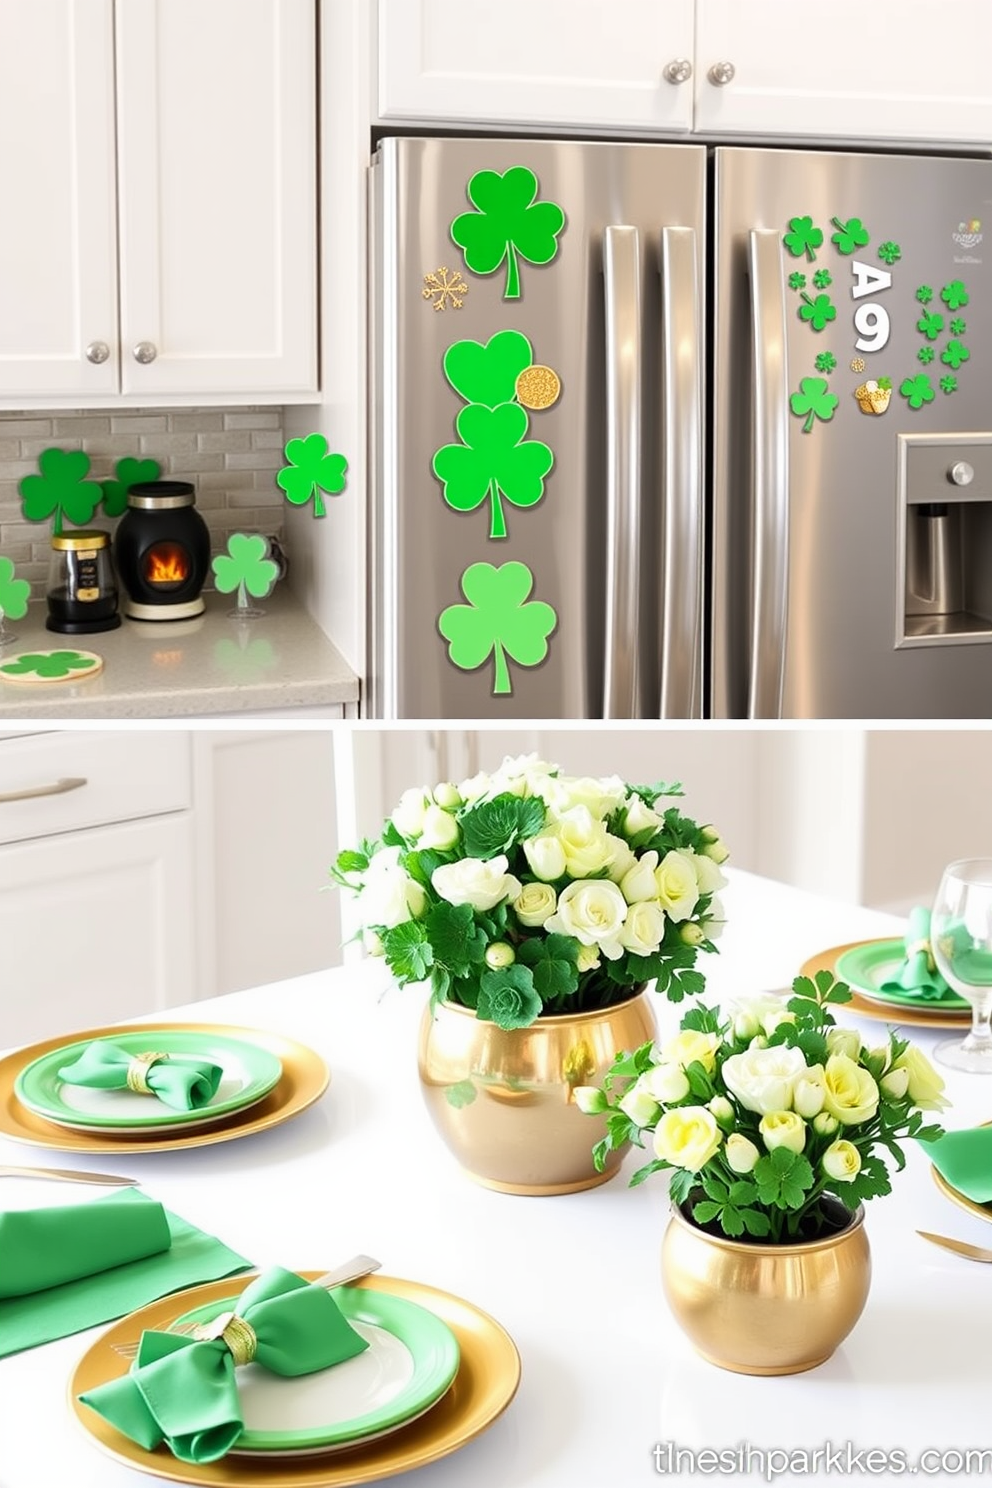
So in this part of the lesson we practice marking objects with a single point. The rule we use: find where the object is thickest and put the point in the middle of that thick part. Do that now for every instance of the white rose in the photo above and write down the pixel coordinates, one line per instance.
(638, 882)
(482, 884)
(666, 1083)
(448, 796)
(741, 1153)
(523, 775)
(763, 1079)
(599, 797)
(677, 888)
(643, 929)
(690, 1046)
(783, 1129)
(687, 1137)
(722, 1110)
(389, 896)
(585, 842)
(841, 1161)
(844, 1041)
(808, 1092)
(849, 1092)
(590, 1099)
(587, 959)
(708, 876)
(408, 818)
(623, 859)
(642, 1108)
(475, 787)
(715, 920)
(748, 1014)
(714, 846)
(825, 1125)
(534, 904)
(895, 1084)
(639, 818)
(439, 830)
(545, 855)
(925, 1087)
(593, 911)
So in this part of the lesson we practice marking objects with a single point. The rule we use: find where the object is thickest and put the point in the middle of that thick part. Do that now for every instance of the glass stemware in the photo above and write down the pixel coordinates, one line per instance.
(961, 942)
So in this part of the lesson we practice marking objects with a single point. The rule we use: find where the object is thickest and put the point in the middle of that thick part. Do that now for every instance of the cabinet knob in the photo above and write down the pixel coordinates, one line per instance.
(145, 352)
(97, 352)
(961, 473)
(679, 71)
(721, 73)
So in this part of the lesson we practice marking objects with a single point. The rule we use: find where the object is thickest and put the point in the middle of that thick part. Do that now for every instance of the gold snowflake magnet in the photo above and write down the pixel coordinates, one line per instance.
(857, 364)
(444, 288)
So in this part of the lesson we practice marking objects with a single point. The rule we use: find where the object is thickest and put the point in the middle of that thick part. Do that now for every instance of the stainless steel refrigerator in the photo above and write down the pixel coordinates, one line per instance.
(669, 432)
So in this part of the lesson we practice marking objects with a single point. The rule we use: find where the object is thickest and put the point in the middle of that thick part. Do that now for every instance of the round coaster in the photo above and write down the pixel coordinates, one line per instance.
(41, 668)
(538, 387)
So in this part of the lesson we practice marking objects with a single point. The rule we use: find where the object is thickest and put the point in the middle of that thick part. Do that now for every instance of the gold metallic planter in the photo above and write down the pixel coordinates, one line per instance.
(765, 1309)
(502, 1099)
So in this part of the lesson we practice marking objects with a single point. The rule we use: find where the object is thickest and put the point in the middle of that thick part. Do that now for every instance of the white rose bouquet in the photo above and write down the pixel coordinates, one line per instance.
(765, 1112)
(527, 892)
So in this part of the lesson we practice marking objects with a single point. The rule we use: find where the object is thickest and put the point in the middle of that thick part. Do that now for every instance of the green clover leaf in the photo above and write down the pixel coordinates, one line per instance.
(917, 390)
(128, 472)
(958, 327)
(61, 490)
(488, 374)
(818, 312)
(493, 459)
(930, 325)
(850, 235)
(497, 620)
(925, 355)
(507, 224)
(825, 361)
(822, 279)
(885, 384)
(508, 998)
(14, 593)
(948, 384)
(797, 281)
(889, 253)
(311, 470)
(803, 237)
(954, 295)
(245, 567)
(813, 401)
(924, 294)
(955, 354)
(47, 664)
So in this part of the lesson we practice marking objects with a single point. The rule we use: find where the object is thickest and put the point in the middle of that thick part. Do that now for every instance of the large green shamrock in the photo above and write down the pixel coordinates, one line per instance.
(47, 664)
(14, 593)
(497, 620)
(61, 490)
(813, 401)
(311, 470)
(850, 235)
(917, 390)
(128, 472)
(492, 460)
(507, 222)
(819, 312)
(955, 354)
(488, 374)
(246, 567)
(803, 237)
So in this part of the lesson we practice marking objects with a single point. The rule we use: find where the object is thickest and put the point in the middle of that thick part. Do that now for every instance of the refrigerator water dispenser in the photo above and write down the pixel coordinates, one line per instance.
(945, 539)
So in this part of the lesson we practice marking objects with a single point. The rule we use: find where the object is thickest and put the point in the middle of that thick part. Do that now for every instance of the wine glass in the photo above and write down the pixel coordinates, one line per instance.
(961, 942)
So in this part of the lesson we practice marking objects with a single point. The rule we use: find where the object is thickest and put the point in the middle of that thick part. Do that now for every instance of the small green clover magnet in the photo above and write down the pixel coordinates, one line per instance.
(508, 224)
(889, 253)
(818, 312)
(813, 401)
(850, 235)
(825, 361)
(14, 593)
(246, 567)
(948, 384)
(493, 460)
(499, 621)
(803, 238)
(955, 354)
(917, 390)
(930, 325)
(128, 472)
(954, 295)
(310, 471)
(61, 491)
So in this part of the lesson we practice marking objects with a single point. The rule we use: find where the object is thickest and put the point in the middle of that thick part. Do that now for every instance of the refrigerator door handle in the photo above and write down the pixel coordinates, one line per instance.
(770, 445)
(621, 274)
(682, 542)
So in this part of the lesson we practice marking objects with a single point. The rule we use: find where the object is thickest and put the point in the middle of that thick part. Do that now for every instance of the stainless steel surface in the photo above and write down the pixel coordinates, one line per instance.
(934, 560)
(68, 1175)
(56, 788)
(682, 494)
(145, 352)
(959, 1247)
(97, 352)
(770, 547)
(961, 473)
(677, 71)
(721, 73)
(624, 500)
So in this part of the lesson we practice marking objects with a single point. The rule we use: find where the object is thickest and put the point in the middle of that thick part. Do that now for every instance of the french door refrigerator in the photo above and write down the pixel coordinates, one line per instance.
(669, 432)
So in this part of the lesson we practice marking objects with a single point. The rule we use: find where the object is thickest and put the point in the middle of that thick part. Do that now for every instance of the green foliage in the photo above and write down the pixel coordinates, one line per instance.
(458, 943)
(311, 470)
(783, 1178)
(508, 997)
(498, 620)
(552, 961)
(127, 473)
(508, 224)
(61, 491)
(494, 460)
(408, 951)
(495, 826)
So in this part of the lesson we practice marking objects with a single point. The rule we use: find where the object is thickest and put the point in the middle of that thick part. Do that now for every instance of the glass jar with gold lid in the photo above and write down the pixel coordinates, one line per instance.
(82, 590)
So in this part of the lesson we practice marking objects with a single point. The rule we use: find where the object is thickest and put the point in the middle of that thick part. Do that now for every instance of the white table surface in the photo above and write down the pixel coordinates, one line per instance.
(575, 1279)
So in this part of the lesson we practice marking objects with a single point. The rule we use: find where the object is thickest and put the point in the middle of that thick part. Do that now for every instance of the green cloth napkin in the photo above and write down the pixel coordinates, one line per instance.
(41, 1248)
(185, 1393)
(183, 1083)
(918, 974)
(964, 1158)
(192, 1257)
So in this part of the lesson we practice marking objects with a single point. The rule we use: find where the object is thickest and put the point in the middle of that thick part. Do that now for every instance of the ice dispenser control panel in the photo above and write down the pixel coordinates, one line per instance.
(944, 540)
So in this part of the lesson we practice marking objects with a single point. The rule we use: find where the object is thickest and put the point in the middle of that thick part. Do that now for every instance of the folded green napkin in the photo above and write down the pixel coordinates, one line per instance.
(918, 973)
(183, 1083)
(964, 1158)
(185, 1393)
(41, 1248)
(191, 1258)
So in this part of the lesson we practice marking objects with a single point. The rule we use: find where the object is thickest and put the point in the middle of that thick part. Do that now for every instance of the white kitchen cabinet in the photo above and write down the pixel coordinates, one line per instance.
(183, 265)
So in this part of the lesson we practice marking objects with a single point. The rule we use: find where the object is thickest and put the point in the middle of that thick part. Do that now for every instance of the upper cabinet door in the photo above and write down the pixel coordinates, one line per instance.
(915, 72)
(217, 195)
(58, 260)
(586, 64)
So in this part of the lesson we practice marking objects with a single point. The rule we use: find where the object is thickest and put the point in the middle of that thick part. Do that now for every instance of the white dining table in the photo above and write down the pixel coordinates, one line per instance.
(610, 1388)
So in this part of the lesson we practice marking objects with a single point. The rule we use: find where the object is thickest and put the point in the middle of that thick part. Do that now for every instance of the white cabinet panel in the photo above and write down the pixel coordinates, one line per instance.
(590, 64)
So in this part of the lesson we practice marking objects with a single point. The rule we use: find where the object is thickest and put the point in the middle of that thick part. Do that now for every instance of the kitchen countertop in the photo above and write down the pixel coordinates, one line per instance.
(183, 668)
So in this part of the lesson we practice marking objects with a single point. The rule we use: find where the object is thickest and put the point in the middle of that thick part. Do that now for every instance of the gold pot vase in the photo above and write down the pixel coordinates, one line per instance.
(758, 1308)
(502, 1099)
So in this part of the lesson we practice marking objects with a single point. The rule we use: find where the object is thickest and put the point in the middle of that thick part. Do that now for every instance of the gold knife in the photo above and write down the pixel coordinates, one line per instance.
(959, 1247)
(67, 1175)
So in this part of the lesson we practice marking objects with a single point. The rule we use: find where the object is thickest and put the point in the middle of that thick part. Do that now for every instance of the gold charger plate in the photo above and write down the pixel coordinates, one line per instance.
(486, 1382)
(305, 1077)
(898, 1014)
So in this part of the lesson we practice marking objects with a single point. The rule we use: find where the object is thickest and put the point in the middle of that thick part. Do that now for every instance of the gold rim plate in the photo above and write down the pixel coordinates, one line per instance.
(897, 1014)
(487, 1380)
(305, 1077)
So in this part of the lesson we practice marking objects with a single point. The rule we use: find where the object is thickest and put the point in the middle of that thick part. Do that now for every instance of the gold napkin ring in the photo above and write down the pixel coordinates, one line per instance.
(922, 948)
(238, 1334)
(137, 1071)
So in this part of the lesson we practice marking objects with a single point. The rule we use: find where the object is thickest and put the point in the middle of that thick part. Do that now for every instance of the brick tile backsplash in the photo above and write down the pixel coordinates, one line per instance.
(231, 456)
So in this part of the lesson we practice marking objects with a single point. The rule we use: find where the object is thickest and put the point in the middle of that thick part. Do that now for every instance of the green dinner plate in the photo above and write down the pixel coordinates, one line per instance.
(411, 1361)
(250, 1072)
(866, 967)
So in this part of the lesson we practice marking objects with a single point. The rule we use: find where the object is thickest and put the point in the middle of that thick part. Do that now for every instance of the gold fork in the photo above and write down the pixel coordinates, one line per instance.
(353, 1270)
(66, 1175)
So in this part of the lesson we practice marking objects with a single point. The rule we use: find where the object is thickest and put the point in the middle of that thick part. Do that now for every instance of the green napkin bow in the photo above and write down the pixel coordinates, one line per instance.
(183, 1083)
(41, 1248)
(183, 1392)
(918, 974)
(964, 1158)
